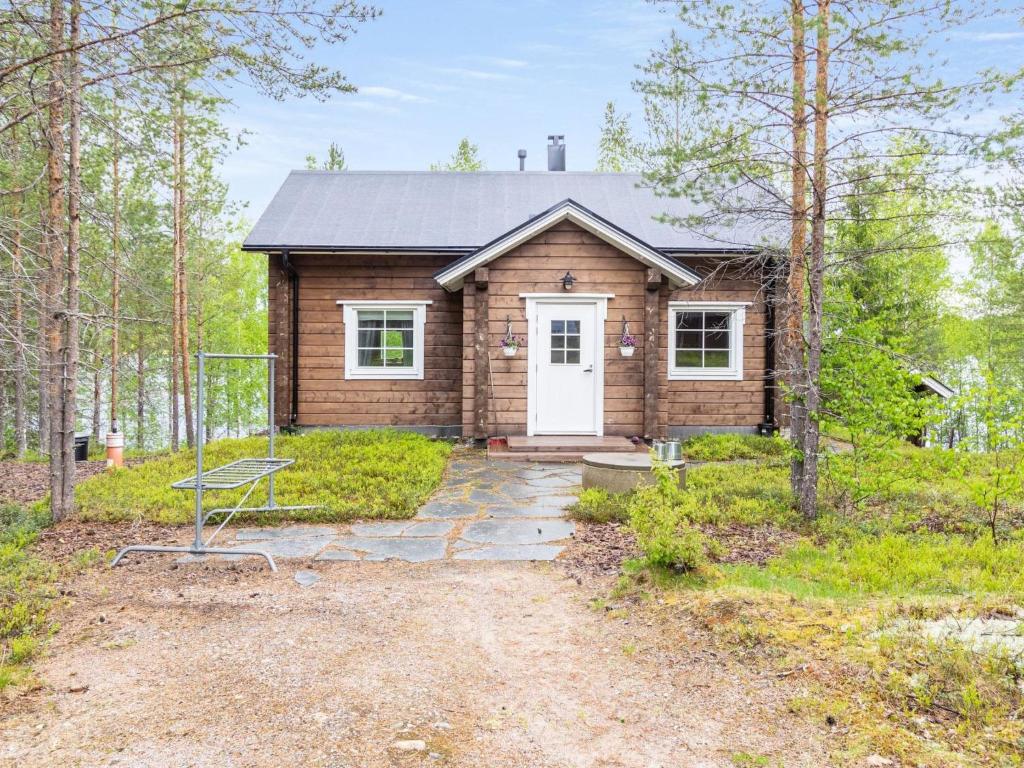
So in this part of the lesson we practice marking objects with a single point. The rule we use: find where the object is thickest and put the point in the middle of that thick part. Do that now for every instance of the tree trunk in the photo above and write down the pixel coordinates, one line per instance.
(55, 254)
(115, 277)
(72, 346)
(140, 394)
(809, 489)
(180, 245)
(20, 364)
(175, 287)
(97, 396)
(793, 341)
(42, 342)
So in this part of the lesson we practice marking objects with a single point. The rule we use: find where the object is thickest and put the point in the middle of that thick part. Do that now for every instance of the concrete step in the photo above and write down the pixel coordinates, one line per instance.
(544, 457)
(557, 448)
(567, 444)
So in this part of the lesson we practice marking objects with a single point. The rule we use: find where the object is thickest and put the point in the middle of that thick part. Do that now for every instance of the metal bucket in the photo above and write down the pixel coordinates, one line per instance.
(667, 450)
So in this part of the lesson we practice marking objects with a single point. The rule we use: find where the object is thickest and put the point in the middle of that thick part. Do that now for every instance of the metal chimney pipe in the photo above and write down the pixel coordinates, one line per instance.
(556, 153)
(522, 159)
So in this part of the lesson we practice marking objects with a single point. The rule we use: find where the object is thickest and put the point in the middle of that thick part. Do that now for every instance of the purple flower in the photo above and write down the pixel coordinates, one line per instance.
(627, 340)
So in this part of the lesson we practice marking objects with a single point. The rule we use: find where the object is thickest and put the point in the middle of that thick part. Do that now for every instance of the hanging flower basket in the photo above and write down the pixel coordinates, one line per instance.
(627, 343)
(511, 343)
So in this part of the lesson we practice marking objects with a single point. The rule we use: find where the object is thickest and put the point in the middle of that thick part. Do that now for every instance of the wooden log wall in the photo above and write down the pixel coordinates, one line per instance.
(326, 398)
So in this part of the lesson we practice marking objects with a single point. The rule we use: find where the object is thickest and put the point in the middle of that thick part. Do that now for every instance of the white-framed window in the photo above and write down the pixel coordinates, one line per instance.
(384, 339)
(705, 340)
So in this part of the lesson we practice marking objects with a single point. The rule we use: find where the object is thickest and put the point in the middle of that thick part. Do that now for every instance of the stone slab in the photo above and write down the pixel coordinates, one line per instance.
(337, 554)
(511, 552)
(289, 532)
(410, 550)
(481, 496)
(525, 510)
(447, 510)
(429, 528)
(305, 546)
(518, 531)
(377, 530)
(307, 578)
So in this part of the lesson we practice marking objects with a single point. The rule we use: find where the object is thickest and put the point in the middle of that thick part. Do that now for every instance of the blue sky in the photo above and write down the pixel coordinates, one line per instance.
(505, 74)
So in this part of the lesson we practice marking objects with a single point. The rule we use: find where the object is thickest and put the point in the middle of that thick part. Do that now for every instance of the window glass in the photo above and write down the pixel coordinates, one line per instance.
(565, 342)
(702, 339)
(385, 338)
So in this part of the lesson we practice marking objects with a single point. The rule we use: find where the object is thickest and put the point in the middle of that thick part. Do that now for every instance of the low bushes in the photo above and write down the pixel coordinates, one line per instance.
(729, 447)
(26, 592)
(894, 564)
(899, 538)
(596, 505)
(364, 474)
(660, 516)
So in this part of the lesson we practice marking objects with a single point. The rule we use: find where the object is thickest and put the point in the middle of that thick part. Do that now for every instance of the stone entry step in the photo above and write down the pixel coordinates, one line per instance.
(557, 448)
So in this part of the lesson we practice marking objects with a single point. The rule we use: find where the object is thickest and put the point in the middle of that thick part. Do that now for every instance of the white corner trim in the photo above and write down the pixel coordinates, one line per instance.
(734, 372)
(352, 369)
(451, 278)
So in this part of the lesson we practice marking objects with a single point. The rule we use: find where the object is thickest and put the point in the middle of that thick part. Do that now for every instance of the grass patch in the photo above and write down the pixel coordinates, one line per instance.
(894, 565)
(596, 505)
(359, 474)
(730, 447)
(26, 592)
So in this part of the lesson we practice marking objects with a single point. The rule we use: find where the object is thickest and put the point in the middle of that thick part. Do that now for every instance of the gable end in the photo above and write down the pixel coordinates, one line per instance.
(452, 276)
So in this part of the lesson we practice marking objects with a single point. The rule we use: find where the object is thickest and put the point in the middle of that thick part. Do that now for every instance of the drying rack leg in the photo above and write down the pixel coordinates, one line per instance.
(194, 551)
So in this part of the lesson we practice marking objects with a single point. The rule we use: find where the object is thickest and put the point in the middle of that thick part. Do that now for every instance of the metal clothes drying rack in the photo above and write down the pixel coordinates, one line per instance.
(234, 475)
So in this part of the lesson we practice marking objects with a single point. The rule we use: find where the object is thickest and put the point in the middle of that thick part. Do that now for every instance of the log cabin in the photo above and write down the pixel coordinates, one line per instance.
(544, 305)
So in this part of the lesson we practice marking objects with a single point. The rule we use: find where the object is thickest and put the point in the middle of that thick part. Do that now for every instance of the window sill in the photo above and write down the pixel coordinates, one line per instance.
(384, 374)
(698, 374)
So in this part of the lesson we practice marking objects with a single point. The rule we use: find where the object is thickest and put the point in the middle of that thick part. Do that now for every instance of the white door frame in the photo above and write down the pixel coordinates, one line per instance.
(600, 303)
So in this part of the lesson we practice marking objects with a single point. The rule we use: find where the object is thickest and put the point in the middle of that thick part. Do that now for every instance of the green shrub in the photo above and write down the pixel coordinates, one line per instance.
(729, 446)
(660, 517)
(26, 591)
(359, 474)
(596, 505)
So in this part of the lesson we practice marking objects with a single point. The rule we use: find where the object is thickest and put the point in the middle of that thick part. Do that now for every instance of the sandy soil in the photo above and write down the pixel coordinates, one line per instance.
(491, 664)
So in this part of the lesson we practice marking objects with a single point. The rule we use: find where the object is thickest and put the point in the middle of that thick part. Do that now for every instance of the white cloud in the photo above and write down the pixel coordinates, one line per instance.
(499, 61)
(993, 37)
(474, 74)
(384, 92)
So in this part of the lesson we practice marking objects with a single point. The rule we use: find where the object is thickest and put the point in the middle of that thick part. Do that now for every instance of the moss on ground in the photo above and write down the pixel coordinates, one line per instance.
(349, 475)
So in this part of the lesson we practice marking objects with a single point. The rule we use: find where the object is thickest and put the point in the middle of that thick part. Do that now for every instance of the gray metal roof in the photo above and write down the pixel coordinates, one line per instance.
(462, 211)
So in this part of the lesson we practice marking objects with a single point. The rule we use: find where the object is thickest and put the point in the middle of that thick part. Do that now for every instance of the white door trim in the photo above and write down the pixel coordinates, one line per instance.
(600, 303)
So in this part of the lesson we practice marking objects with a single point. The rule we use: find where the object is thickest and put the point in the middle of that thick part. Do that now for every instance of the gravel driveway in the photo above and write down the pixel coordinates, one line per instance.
(449, 663)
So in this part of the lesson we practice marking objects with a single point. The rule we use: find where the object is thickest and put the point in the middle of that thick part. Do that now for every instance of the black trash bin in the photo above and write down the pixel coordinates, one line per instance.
(82, 448)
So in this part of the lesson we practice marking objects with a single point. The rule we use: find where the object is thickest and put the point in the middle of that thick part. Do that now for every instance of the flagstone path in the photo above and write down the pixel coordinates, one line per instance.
(484, 510)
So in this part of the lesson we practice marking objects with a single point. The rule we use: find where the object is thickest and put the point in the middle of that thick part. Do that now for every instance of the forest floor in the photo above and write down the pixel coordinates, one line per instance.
(390, 664)
(25, 482)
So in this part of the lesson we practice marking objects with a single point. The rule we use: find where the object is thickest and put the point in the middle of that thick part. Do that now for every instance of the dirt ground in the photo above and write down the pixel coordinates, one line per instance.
(23, 482)
(489, 664)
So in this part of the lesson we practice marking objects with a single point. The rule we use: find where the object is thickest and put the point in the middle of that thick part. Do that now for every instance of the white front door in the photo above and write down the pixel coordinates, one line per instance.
(566, 363)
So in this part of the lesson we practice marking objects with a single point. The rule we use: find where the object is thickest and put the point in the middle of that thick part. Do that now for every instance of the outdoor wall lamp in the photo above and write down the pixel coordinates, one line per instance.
(568, 280)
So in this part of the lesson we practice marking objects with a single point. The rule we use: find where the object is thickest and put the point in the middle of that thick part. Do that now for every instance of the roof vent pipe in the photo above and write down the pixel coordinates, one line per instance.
(522, 159)
(556, 152)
